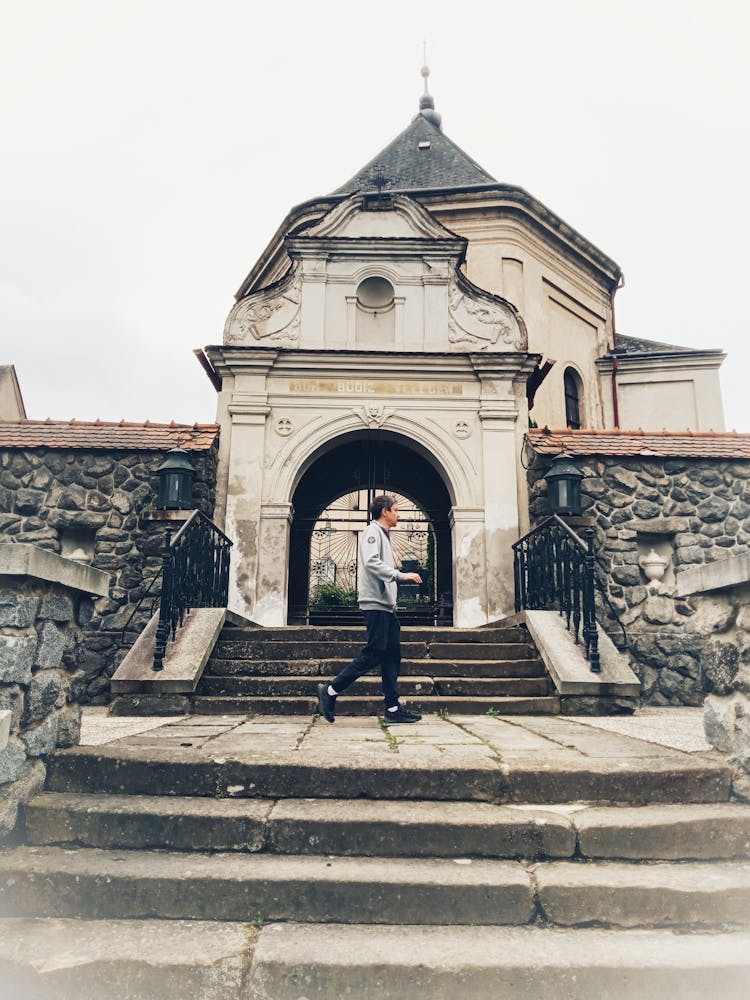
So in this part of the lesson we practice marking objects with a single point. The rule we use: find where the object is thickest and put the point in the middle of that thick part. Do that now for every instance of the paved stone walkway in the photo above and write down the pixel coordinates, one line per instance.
(649, 732)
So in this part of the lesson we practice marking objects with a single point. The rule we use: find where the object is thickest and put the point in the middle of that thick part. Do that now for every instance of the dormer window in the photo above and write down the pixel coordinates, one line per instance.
(424, 144)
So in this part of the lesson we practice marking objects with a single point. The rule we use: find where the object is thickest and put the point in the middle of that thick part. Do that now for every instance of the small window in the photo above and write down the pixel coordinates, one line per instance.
(424, 144)
(573, 399)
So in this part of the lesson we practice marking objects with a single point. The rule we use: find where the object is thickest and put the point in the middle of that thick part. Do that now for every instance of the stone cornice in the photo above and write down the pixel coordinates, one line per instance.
(661, 361)
(232, 360)
(493, 366)
(375, 246)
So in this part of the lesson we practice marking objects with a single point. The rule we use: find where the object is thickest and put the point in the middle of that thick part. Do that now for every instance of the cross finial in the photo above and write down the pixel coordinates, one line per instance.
(427, 101)
(425, 68)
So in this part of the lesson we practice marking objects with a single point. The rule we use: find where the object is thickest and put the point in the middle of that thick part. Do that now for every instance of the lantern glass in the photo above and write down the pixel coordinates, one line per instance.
(176, 476)
(564, 486)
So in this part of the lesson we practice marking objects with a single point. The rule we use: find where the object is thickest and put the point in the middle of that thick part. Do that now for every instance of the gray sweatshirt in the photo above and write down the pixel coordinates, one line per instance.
(377, 578)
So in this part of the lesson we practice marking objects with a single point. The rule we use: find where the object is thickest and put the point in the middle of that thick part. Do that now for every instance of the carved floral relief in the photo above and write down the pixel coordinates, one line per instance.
(478, 324)
(271, 318)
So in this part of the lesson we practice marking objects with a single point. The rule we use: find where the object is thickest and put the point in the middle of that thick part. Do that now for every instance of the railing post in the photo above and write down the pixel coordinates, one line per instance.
(165, 604)
(590, 636)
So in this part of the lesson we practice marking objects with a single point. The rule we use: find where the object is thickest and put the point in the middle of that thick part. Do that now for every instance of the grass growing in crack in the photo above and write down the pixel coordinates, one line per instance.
(442, 713)
(391, 739)
(258, 920)
(492, 712)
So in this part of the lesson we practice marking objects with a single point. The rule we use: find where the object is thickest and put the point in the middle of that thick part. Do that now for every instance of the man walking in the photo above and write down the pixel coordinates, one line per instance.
(376, 592)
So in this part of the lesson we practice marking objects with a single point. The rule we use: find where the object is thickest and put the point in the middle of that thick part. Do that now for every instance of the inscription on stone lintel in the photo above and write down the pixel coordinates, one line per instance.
(375, 387)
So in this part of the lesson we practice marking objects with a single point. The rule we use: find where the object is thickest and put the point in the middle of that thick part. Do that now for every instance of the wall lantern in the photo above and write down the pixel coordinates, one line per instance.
(176, 475)
(564, 486)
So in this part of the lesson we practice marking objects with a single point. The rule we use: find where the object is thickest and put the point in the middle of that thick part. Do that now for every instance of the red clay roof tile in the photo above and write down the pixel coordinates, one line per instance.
(107, 436)
(657, 444)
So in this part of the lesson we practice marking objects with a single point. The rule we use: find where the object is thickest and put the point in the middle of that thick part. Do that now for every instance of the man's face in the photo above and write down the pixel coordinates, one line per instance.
(391, 516)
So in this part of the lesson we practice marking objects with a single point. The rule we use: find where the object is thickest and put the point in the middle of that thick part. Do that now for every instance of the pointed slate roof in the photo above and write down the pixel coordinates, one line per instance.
(418, 159)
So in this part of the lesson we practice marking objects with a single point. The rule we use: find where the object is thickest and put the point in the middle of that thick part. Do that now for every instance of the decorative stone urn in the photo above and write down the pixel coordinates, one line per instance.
(654, 567)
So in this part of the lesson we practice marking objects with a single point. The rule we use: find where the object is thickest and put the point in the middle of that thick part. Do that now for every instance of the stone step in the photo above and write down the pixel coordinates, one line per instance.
(302, 687)
(173, 823)
(251, 772)
(476, 963)
(269, 649)
(100, 884)
(390, 829)
(488, 651)
(51, 959)
(47, 959)
(660, 893)
(335, 633)
(359, 705)
(329, 668)
(409, 686)
(266, 649)
(103, 884)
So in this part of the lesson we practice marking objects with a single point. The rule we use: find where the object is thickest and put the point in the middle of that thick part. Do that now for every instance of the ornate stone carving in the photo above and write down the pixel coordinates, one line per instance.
(654, 567)
(272, 318)
(373, 416)
(479, 324)
(284, 426)
(462, 430)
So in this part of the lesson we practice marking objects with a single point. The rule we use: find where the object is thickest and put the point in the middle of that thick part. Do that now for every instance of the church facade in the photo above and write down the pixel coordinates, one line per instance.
(401, 335)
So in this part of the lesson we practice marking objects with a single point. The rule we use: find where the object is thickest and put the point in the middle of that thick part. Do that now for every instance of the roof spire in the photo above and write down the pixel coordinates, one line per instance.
(427, 101)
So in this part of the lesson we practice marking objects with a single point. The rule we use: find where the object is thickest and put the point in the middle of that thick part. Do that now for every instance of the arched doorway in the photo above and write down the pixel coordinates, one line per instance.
(368, 463)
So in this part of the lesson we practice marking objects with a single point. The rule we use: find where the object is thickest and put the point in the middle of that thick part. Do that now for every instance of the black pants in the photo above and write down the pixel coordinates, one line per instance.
(384, 648)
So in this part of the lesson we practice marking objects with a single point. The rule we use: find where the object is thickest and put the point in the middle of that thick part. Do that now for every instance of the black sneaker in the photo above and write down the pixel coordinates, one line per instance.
(326, 703)
(401, 715)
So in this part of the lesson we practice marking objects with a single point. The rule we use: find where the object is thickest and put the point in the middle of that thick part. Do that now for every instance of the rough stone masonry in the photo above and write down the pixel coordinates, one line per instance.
(45, 605)
(93, 505)
(693, 512)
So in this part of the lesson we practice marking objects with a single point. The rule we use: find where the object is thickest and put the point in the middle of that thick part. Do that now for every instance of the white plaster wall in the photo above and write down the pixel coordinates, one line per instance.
(665, 394)
(567, 313)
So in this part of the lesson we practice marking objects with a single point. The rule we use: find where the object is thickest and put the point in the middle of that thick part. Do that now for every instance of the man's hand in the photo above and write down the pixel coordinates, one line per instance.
(412, 578)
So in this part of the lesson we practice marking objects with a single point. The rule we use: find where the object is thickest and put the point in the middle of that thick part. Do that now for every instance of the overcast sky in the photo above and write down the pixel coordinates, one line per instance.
(150, 150)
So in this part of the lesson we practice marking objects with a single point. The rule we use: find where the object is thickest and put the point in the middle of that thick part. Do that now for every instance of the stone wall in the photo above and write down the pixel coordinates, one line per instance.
(689, 511)
(42, 625)
(95, 506)
(726, 712)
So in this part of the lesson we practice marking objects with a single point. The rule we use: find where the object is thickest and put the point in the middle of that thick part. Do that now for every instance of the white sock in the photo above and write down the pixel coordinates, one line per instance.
(393, 708)
(332, 691)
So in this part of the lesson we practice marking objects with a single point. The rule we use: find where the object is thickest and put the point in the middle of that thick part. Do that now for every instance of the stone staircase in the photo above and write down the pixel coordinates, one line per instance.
(443, 670)
(276, 859)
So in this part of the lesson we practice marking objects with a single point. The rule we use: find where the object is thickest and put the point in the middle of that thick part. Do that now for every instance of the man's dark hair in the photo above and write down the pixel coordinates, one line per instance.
(379, 504)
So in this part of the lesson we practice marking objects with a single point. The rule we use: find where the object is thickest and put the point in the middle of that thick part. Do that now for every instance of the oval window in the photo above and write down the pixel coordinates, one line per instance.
(375, 293)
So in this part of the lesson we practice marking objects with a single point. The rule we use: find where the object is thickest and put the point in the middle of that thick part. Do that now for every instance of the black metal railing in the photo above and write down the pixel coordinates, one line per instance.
(195, 574)
(148, 595)
(554, 567)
